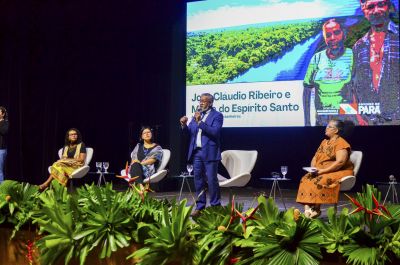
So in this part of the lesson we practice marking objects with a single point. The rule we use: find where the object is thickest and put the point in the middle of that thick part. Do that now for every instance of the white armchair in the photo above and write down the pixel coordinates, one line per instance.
(160, 173)
(348, 182)
(82, 171)
(239, 164)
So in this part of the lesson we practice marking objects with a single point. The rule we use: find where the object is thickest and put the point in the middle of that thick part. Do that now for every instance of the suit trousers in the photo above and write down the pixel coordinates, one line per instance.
(205, 172)
(3, 154)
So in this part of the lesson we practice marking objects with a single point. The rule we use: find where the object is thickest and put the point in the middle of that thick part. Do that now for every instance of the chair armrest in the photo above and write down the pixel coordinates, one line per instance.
(80, 172)
(347, 183)
(156, 177)
(237, 181)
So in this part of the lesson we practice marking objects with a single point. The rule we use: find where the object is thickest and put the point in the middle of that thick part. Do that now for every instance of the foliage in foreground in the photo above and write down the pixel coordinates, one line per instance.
(72, 225)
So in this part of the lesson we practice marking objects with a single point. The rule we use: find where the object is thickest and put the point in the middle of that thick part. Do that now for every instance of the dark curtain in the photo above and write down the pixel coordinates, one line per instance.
(108, 67)
(103, 67)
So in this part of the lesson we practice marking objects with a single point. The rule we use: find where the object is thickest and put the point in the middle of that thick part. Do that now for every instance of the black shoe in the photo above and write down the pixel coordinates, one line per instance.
(195, 213)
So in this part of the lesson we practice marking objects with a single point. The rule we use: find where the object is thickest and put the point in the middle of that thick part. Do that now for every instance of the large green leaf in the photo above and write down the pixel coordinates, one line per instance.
(170, 242)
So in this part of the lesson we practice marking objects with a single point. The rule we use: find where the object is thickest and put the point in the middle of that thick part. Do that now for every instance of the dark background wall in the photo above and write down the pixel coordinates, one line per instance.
(108, 67)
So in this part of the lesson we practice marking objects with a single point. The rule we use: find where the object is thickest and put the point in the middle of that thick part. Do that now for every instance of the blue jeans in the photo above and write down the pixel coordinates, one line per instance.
(3, 154)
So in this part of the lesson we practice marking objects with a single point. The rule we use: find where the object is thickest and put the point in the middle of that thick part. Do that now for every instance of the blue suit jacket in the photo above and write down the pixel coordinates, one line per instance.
(210, 136)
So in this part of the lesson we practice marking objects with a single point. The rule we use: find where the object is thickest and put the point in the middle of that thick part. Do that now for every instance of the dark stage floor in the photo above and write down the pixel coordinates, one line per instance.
(247, 196)
(169, 188)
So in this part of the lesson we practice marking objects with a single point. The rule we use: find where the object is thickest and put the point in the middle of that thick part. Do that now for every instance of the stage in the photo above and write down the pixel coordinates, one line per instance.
(170, 188)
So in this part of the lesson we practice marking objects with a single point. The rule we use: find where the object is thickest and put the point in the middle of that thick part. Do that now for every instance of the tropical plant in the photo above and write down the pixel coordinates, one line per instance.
(378, 225)
(17, 203)
(217, 231)
(59, 220)
(337, 231)
(279, 239)
(105, 220)
(170, 241)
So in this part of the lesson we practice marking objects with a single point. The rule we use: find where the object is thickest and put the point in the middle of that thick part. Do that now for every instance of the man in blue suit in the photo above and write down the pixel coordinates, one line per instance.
(204, 152)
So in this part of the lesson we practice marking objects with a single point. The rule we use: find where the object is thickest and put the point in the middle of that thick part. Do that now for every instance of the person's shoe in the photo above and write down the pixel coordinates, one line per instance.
(131, 180)
(307, 211)
(315, 213)
(195, 213)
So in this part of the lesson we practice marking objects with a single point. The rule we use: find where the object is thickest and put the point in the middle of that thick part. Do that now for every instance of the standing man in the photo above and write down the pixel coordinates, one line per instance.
(204, 152)
(3, 143)
(376, 58)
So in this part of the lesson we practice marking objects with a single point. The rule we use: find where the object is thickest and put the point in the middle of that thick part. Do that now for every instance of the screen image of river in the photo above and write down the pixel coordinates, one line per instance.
(306, 61)
(291, 66)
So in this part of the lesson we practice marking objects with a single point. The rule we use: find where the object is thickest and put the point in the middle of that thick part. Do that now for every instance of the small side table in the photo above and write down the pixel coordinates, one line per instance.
(275, 187)
(185, 179)
(101, 176)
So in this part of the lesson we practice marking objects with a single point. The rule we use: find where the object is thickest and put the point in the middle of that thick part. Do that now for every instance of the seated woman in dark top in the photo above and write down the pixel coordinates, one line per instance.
(73, 157)
(146, 157)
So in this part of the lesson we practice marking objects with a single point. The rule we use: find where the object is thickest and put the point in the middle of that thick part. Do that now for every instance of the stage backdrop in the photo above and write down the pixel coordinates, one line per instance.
(257, 58)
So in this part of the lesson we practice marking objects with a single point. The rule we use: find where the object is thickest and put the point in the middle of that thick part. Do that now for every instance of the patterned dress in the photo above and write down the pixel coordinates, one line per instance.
(63, 168)
(325, 188)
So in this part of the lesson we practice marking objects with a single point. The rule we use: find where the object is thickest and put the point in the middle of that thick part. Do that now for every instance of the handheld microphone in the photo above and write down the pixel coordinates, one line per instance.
(198, 109)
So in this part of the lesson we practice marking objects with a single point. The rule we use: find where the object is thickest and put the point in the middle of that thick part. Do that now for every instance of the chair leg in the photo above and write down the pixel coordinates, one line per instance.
(335, 208)
(71, 186)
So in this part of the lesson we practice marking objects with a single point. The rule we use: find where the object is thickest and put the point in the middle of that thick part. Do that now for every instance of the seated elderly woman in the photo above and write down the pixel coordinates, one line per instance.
(73, 157)
(146, 157)
(331, 163)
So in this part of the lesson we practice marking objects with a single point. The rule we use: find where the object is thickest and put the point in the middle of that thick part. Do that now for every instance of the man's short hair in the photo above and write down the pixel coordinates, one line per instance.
(333, 20)
(210, 97)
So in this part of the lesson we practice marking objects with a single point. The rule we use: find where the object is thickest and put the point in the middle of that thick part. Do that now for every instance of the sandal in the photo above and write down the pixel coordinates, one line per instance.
(314, 213)
(307, 213)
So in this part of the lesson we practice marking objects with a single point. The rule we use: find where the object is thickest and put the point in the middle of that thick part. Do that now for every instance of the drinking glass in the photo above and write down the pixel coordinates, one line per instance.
(189, 168)
(99, 167)
(284, 170)
(106, 165)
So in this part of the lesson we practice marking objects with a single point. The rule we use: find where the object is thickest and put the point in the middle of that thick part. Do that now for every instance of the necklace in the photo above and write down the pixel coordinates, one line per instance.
(332, 140)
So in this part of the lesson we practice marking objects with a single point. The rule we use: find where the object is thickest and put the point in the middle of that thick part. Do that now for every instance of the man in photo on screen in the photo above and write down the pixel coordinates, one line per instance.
(376, 59)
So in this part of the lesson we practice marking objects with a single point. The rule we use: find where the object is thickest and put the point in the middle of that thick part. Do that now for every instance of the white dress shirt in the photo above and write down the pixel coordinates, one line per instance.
(198, 137)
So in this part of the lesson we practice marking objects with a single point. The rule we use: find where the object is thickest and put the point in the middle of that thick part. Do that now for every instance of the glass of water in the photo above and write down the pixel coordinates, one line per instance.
(284, 170)
(106, 166)
(99, 167)
(189, 168)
